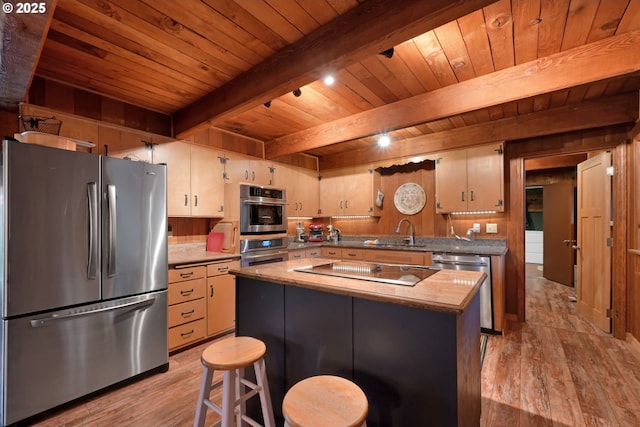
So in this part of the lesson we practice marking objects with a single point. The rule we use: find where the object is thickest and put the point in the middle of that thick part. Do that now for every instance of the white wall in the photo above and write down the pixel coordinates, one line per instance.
(533, 247)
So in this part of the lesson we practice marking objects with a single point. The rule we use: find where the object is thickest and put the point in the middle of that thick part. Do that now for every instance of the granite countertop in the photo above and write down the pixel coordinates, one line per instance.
(190, 253)
(448, 291)
(423, 244)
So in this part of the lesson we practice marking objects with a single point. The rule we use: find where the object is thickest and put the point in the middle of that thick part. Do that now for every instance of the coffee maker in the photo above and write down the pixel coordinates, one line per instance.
(301, 236)
(315, 232)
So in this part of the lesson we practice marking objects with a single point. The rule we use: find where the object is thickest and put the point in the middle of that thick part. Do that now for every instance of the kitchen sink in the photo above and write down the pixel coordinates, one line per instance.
(395, 274)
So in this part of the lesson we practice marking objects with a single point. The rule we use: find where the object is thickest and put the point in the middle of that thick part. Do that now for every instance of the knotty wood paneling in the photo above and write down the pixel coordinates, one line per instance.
(57, 96)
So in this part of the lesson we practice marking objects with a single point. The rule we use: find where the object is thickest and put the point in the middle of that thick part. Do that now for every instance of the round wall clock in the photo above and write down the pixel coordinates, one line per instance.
(410, 198)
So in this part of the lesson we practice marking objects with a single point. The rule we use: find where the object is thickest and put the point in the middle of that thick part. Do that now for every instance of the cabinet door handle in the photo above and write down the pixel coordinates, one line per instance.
(340, 204)
(472, 196)
(223, 269)
(186, 334)
(187, 313)
(246, 175)
(463, 196)
(212, 291)
(185, 275)
(196, 197)
(185, 293)
(346, 204)
(186, 199)
(253, 175)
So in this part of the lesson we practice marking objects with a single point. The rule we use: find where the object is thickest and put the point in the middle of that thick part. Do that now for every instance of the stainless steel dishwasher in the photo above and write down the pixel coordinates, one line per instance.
(469, 262)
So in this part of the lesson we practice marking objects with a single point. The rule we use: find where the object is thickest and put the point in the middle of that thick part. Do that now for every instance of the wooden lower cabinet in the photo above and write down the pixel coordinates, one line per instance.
(221, 297)
(378, 255)
(201, 302)
(305, 253)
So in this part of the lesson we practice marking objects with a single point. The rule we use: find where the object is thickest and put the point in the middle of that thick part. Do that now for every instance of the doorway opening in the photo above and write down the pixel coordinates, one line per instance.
(551, 226)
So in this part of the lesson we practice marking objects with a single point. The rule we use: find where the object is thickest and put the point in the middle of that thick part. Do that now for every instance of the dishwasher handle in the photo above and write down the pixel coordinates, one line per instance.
(444, 262)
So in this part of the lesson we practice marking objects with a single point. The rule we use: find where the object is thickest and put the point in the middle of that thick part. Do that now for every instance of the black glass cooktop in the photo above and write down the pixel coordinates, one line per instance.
(397, 274)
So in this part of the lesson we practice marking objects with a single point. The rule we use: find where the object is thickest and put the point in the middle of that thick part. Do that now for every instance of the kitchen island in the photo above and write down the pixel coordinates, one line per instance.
(414, 350)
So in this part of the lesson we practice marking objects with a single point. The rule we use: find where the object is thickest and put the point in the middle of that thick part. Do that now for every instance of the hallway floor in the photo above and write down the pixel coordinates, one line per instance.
(557, 369)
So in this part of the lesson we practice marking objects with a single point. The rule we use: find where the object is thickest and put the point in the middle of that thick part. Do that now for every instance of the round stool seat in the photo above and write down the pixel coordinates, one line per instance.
(233, 353)
(325, 400)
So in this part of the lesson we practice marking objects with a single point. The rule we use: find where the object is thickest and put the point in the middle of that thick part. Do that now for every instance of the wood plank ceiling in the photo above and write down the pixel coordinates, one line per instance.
(456, 66)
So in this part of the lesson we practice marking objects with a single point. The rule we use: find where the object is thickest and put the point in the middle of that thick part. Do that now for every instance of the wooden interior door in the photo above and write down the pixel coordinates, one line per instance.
(558, 224)
(593, 291)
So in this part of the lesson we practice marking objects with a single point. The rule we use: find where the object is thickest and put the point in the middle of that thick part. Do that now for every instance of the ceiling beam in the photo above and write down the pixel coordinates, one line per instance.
(589, 114)
(364, 31)
(22, 37)
(611, 57)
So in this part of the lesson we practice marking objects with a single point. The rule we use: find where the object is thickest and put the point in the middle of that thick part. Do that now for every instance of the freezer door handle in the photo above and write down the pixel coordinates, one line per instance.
(135, 305)
(92, 198)
(112, 227)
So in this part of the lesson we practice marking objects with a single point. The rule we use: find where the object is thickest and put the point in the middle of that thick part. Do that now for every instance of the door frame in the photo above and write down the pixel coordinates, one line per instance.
(617, 141)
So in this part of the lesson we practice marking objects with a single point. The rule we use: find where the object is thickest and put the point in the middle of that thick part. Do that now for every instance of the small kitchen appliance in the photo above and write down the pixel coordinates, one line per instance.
(301, 236)
(315, 232)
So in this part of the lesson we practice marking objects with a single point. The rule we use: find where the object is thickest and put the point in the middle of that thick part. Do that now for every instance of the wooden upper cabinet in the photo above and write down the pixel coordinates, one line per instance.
(350, 191)
(195, 185)
(250, 171)
(207, 183)
(302, 187)
(470, 180)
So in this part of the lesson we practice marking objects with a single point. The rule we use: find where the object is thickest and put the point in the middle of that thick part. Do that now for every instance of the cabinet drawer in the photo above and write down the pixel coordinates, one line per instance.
(331, 252)
(313, 253)
(348, 253)
(186, 312)
(395, 257)
(187, 333)
(219, 268)
(182, 274)
(186, 291)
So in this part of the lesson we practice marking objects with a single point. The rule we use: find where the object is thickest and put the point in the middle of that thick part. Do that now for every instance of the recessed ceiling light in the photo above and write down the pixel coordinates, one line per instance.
(329, 80)
(384, 140)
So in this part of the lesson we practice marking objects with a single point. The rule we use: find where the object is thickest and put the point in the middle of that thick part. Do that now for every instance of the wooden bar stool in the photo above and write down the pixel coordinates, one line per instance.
(232, 355)
(325, 400)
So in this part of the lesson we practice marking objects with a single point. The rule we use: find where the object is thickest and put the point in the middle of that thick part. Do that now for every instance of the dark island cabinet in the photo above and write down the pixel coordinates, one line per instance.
(417, 367)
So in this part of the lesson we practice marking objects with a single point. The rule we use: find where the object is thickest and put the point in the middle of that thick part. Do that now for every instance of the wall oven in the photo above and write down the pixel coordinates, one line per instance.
(263, 251)
(262, 210)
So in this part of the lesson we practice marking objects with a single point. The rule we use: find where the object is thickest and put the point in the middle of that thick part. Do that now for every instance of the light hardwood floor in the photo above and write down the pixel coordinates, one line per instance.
(554, 370)
(558, 370)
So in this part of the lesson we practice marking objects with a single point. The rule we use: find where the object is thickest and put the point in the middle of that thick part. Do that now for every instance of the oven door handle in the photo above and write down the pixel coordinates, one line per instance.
(252, 202)
(264, 255)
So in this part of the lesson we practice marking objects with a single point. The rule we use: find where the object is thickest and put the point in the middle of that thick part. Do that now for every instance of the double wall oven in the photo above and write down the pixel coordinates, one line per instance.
(263, 225)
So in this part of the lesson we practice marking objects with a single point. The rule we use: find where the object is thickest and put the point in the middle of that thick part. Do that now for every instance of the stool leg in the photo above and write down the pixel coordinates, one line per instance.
(265, 397)
(240, 390)
(205, 391)
(228, 398)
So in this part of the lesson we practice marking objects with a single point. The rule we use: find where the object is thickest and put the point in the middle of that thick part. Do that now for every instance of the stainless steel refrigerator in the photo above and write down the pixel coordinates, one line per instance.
(83, 275)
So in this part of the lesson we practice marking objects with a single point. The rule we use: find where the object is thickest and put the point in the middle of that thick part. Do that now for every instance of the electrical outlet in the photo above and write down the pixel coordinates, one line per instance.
(476, 228)
(492, 228)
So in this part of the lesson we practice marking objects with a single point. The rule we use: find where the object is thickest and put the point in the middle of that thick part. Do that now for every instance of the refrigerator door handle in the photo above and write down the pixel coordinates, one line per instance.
(136, 305)
(112, 227)
(92, 198)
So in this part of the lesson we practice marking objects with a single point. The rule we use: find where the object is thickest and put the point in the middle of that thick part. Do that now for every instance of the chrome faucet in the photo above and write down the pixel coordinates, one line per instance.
(470, 233)
(411, 239)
